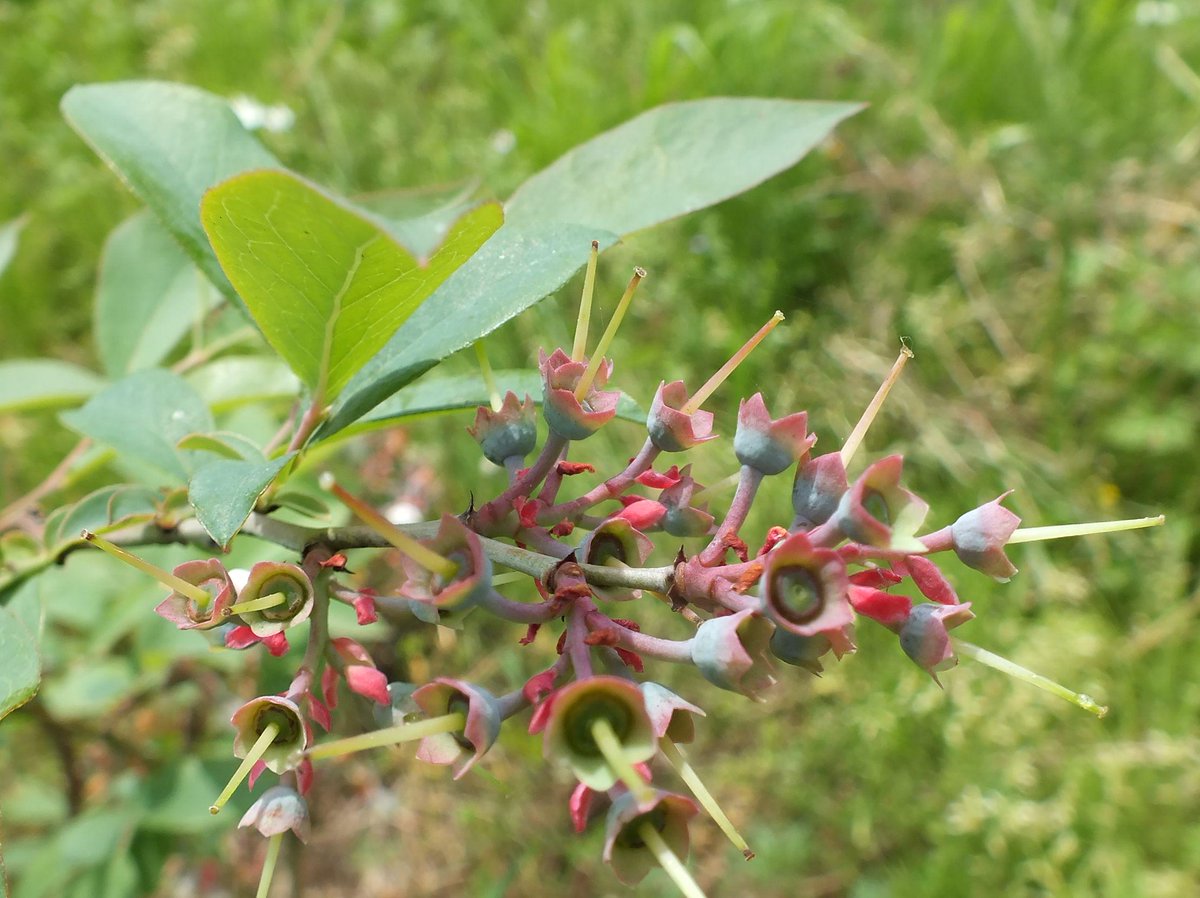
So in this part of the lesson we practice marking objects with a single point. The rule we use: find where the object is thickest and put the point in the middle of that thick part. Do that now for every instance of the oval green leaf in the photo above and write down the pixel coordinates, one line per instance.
(665, 163)
(148, 296)
(20, 666)
(514, 269)
(326, 284)
(224, 492)
(169, 143)
(44, 383)
(142, 417)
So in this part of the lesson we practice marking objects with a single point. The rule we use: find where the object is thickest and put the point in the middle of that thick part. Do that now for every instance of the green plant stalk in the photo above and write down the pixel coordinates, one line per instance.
(690, 778)
(256, 751)
(672, 865)
(983, 656)
(268, 870)
(610, 746)
(405, 732)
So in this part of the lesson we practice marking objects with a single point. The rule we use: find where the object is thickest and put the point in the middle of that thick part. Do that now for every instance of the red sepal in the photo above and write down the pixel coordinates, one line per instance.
(580, 804)
(276, 644)
(875, 578)
(539, 685)
(240, 637)
(369, 682)
(570, 468)
(660, 481)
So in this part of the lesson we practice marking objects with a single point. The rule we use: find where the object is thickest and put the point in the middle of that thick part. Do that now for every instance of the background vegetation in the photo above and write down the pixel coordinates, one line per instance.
(1019, 200)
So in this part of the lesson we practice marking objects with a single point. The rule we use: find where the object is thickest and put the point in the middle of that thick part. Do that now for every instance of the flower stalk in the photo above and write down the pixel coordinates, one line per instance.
(1062, 531)
(268, 870)
(722, 373)
(610, 746)
(589, 374)
(671, 865)
(405, 732)
(166, 578)
(850, 447)
(252, 757)
(983, 656)
(691, 779)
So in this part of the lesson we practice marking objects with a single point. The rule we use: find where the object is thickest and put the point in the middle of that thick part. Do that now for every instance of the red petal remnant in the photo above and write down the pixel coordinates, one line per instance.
(369, 682)
(580, 804)
(571, 468)
(276, 643)
(240, 637)
(642, 514)
(660, 481)
(329, 680)
(883, 607)
(540, 684)
(930, 580)
(364, 607)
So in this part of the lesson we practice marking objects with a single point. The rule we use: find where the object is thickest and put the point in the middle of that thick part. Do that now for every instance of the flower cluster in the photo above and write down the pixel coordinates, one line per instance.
(853, 541)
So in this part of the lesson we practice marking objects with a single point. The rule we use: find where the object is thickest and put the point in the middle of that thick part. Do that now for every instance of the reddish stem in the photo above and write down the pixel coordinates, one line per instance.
(747, 488)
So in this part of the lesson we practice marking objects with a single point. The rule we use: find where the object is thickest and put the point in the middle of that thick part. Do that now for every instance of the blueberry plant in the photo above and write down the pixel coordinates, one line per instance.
(356, 304)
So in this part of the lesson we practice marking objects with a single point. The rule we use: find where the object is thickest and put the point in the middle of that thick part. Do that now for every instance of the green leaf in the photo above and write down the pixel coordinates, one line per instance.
(226, 444)
(303, 503)
(142, 417)
(169, 143)
(20, 666)
(148, 296)
(665, 163)
(108, 508)
(673, 160)
(233, 381)
(224, 492)
(9, 232)
(44, 383)
(514, 269)
(435, 395)
(326, 284)
(418, 229)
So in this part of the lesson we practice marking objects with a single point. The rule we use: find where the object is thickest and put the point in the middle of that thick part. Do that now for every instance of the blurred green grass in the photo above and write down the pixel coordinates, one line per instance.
(1019, 201)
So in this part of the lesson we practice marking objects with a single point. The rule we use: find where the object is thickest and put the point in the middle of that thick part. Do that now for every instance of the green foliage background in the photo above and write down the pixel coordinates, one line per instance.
(1019, 201)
